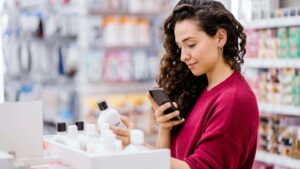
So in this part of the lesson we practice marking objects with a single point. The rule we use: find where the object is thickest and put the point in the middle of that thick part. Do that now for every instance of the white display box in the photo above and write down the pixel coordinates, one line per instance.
(78, 159)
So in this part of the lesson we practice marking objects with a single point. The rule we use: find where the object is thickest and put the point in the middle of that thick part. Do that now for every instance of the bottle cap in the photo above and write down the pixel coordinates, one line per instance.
(102, 105)
(80, 125)
(61, 127)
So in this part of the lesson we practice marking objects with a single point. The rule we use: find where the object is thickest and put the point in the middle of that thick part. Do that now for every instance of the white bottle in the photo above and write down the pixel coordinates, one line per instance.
(108, 143)
(98, 145)
(61, 134)
(137, 142)
(90, 136)
(103, 127)
(109, 115)
(73, 140)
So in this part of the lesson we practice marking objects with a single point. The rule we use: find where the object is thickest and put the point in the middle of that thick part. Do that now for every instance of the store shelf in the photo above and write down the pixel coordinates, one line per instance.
(121, 13)
(279, 109)
(115, 87)
(125, 47)
(272, 23)
(272, 63)
(277, 160)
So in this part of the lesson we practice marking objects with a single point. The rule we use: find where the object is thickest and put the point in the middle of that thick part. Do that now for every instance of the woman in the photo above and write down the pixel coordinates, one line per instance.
(200, 71)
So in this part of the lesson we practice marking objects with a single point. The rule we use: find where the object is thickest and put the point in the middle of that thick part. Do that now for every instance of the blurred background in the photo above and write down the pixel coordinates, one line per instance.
(72, 53)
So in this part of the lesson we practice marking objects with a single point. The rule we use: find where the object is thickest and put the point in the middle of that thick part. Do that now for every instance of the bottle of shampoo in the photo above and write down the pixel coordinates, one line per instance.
(109, 115)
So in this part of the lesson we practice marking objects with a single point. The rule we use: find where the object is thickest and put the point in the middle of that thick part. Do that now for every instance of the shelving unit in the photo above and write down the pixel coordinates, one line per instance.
(272, 57)
(272, 63)
(277, 160)
(115, 87)
(279, 109)
(272, 23)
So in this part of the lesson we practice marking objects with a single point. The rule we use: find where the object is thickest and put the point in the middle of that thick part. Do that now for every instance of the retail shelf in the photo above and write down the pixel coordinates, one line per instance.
(272, 63)
(121, 13)
(272, 23)
(279, 109)
(115, 87)
(277, 160)
(121, 47)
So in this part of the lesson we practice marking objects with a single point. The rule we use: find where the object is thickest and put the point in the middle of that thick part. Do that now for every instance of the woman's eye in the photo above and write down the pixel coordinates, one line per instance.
(191, 46)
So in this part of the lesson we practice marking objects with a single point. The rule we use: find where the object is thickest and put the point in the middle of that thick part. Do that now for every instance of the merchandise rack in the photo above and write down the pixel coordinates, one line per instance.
(279, 109)
(276, 159)
(271, 108)
(272, 23)
(272, 63)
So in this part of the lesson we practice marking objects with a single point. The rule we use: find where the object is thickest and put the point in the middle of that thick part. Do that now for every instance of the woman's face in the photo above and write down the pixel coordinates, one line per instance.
(198, 50)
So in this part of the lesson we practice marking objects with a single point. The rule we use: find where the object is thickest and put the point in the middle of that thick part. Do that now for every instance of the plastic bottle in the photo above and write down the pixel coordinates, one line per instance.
(109, 115)
(72, 139)
(108, 145)
(95, 146)
(137, 142)
(61, 134)
(89, 139)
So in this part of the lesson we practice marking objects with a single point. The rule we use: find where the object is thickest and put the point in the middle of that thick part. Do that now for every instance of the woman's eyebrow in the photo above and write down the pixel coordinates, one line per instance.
(185, 39)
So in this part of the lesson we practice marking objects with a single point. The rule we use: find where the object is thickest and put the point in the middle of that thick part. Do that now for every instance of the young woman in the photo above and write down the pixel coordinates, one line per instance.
(200, 71)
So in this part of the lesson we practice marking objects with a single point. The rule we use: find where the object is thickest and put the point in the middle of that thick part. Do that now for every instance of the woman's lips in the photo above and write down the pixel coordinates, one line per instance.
(191, 65)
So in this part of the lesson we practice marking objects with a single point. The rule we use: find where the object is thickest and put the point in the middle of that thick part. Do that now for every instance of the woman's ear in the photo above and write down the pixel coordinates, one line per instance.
(221, 36)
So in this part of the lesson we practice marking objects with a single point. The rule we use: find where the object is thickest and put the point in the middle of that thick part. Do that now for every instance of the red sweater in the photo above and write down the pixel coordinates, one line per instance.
(221, 130)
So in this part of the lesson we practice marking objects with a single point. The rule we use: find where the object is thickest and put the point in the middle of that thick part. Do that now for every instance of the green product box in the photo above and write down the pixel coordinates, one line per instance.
(292, 53)
(292, 42)
(294, 31)
(283, 53)
(282, 32)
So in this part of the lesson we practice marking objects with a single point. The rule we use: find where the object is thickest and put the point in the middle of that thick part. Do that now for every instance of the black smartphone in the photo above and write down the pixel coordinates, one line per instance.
(160, 98)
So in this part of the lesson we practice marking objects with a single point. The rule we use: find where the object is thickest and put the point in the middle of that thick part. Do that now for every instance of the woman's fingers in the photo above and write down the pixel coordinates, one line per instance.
(120, 131)
(125, 140)
(160, 110)
(167, 117)
(171, 123)
(126, 122)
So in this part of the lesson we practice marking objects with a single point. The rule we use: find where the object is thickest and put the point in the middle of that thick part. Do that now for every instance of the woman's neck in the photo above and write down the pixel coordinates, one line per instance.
(218, 74)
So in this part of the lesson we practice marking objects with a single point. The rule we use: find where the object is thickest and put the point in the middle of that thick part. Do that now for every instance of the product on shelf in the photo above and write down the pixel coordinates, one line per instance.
(280, 135)
(120, 65)
(129, 6)
(274, 43)
(276, 86)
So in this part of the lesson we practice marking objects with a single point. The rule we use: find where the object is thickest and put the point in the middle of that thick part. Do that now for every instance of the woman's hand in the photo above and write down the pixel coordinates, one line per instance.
(123, 134)
(162, 120)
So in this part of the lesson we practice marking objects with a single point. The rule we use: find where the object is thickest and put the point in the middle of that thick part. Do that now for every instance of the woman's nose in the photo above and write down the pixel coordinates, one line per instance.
(184, 55)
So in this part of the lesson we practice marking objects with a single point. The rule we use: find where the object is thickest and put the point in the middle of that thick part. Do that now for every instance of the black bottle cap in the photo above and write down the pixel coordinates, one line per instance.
(80, 125)
(61, 127)
(102, 105)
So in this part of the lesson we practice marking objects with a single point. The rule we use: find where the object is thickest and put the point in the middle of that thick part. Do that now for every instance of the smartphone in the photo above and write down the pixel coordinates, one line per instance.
(161, 98)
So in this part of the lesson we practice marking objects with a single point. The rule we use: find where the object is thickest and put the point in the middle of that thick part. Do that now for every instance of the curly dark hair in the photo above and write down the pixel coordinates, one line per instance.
(175, 78)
